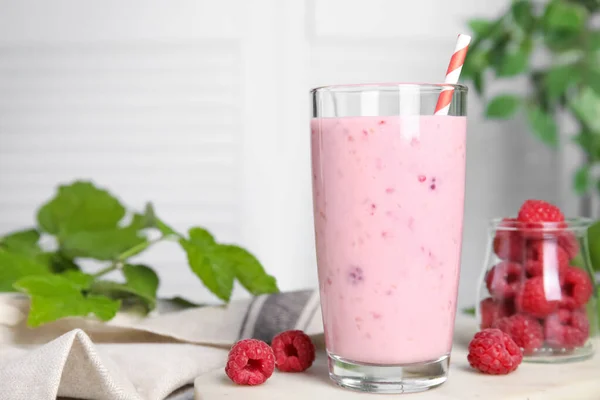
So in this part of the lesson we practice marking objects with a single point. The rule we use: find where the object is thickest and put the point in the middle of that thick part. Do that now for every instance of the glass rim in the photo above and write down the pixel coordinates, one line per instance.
(576, 223)
(362, 87)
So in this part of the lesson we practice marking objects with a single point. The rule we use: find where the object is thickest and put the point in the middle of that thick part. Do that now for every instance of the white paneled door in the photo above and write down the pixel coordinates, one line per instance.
(202, 107)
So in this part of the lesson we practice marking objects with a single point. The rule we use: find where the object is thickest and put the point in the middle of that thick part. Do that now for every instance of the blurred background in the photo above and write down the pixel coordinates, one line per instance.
(202, 108)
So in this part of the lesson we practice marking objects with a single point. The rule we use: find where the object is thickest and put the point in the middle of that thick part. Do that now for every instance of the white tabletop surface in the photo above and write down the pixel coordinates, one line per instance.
(569, 381)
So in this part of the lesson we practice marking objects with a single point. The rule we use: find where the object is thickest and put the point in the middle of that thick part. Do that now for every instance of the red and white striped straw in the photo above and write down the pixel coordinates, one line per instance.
(452, 74)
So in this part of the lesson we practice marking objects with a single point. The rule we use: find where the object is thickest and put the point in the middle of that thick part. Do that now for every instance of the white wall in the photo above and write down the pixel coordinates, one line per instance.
(202, 107)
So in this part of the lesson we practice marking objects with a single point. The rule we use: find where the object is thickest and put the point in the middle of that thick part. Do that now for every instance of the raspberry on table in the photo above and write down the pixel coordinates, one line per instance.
(532, 299)
(550, 256)
(294, 351)
(526, 331)
(250, 362)
(491, 310)
(567, 329)
(492, 351)
(504, 279)
(576, 289)
(539, 211)
(509, 244)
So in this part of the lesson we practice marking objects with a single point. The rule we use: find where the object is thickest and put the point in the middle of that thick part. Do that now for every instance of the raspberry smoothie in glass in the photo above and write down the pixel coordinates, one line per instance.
(388, 191)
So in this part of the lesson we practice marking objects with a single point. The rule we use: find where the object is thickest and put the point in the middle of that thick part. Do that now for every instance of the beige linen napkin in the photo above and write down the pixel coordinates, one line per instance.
(132, 357)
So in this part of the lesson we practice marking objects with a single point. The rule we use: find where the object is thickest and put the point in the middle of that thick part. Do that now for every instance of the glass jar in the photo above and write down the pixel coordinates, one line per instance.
(538, 286)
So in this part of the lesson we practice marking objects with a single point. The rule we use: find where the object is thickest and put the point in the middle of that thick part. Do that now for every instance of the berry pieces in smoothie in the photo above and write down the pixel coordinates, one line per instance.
(433, 185)
(355, 275)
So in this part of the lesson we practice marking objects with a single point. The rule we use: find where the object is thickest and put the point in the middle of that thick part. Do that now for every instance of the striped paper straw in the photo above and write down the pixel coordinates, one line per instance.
(452, 74)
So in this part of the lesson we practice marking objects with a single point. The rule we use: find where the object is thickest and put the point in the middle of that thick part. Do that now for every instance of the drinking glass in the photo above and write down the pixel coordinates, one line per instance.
(388, 194)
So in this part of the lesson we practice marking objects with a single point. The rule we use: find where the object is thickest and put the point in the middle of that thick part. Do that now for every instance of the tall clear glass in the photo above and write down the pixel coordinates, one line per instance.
(388, 196)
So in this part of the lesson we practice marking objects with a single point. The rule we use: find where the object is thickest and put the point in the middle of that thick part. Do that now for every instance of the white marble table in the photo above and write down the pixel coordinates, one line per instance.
(570, 381)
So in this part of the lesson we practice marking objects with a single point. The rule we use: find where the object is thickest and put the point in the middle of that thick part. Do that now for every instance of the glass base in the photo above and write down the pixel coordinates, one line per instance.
(549, 356)
(407, 378)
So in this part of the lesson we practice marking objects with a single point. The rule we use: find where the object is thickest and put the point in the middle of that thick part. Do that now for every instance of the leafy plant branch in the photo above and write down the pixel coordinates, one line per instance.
(89, 223)
(569, 83)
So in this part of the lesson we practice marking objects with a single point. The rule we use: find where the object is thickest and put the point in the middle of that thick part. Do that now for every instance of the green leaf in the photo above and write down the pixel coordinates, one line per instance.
(586, 106)
(478, 83)
(562, 15)
(248, 271)
(149, 220)
(542, 125)
(480, 27)
(201, 238)
(58, 296)
(140, 222)
(218, 265)
(593, 80)
(469, 311)
(598, 305)
(502, 106)
(522, 13)
(23, 242)
(562, 41)
(559, 79)
(476, 62)
(102, 245)
(594, 40)
(581, 180)
(141, 283)
(593, 235)
(589, 143)
(513, 63)
(79, 279)
(80, 207)
(57, 262)
(15, 266)
(216, 273)
(183, 302)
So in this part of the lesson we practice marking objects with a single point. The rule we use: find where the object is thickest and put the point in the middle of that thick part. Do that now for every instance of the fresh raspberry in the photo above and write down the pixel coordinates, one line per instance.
(493, 352)
(577, 289)
(509, 244)
(567, 329)
(504, 279)
(549, 255)
(250, 362)
(532, 299)
(568, 241)
(539, 211)
(491, 310)
(526, 331)
(294, 351)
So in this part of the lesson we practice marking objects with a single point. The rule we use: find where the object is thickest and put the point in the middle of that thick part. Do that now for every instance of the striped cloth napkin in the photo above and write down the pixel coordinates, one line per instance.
(136, 358)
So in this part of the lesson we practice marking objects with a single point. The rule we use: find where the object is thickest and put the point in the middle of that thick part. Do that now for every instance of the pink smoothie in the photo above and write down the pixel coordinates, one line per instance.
(388, 203)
